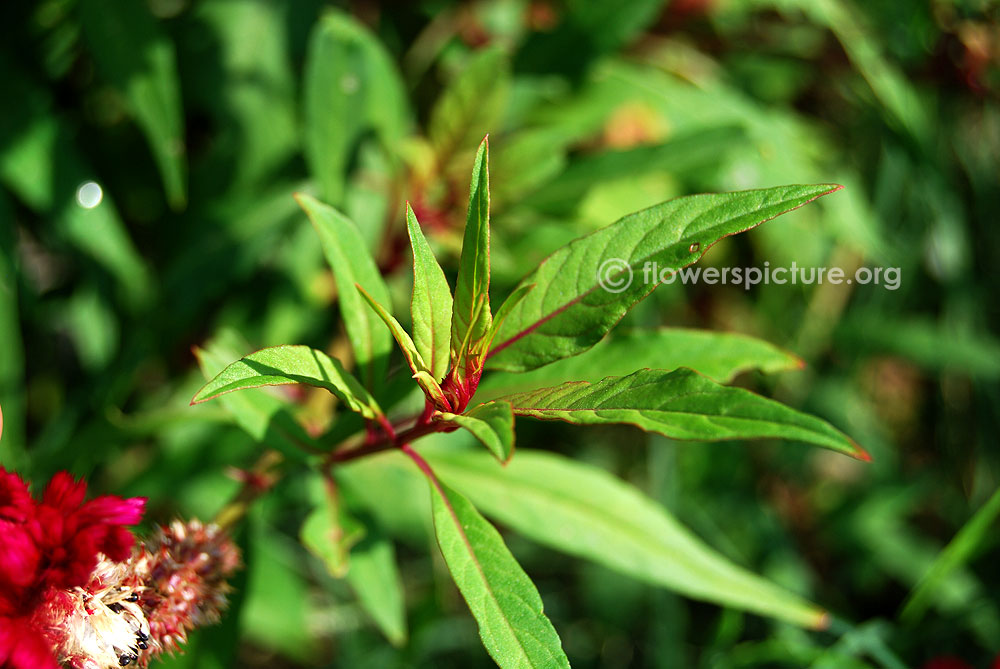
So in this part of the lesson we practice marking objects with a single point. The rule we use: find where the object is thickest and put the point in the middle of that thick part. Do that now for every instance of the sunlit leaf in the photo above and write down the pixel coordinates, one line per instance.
(287, 365)
(264, 417)
(431, 304)
(492, 424)
(584, 511)
(583, 289)
(719, 355)
(420, 370)
(471, 316)
(502, 598)
(352, 265)
(680, 404)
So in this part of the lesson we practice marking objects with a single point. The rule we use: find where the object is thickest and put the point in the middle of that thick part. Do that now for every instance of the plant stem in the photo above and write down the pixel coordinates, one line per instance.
(390, 440)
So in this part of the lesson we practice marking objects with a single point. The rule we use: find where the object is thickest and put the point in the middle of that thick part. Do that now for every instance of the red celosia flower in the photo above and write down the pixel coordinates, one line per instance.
(47, 548)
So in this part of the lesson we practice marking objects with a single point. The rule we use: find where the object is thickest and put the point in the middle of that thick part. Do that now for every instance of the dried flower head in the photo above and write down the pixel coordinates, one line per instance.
(184, 568)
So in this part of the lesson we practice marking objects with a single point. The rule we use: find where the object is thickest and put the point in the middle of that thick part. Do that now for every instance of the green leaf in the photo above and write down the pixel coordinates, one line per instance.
(413, 358)
(353, 265)
(138, 58)
(329, 532)
(468, 106)
(471, 318)
(492, 424)
(584, 511)
(719, 355)
(508, 305)
(286, 365)
(264, 417)
(431, 303)
(680, 404)
(502, 598)
(570, 310)
(376, 581)
(351, 86)
(973, 535)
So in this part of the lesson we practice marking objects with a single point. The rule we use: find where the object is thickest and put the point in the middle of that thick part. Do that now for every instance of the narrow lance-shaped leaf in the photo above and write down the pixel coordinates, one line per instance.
(584, 511)
(717, 355)
(471, 317)
(680, 404)
(583, 289)
(514, 629)
(508, 305)
(430, 305)
(264, 417)
(492, 424)
(413, 358)
(286, 365)
(351, 263)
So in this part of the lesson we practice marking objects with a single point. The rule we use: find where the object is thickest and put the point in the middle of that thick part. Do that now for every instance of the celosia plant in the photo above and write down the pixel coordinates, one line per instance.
(561, 309)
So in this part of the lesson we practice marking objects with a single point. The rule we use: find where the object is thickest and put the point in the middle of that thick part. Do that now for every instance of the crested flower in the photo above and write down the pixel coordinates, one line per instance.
(75, 592)
(49, 551)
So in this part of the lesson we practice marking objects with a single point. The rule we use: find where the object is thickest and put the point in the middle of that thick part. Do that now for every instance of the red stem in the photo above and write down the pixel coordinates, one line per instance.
(385, 443)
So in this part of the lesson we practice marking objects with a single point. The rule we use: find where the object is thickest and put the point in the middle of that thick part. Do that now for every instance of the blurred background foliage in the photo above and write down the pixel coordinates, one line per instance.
(148, 154)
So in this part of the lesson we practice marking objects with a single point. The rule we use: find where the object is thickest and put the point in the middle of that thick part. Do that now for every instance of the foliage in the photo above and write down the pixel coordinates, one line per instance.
(200, 121)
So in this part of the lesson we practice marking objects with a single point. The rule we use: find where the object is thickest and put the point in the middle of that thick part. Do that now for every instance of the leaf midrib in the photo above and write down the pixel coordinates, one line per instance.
(537, 324)
(479, 569)
(608, 519)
